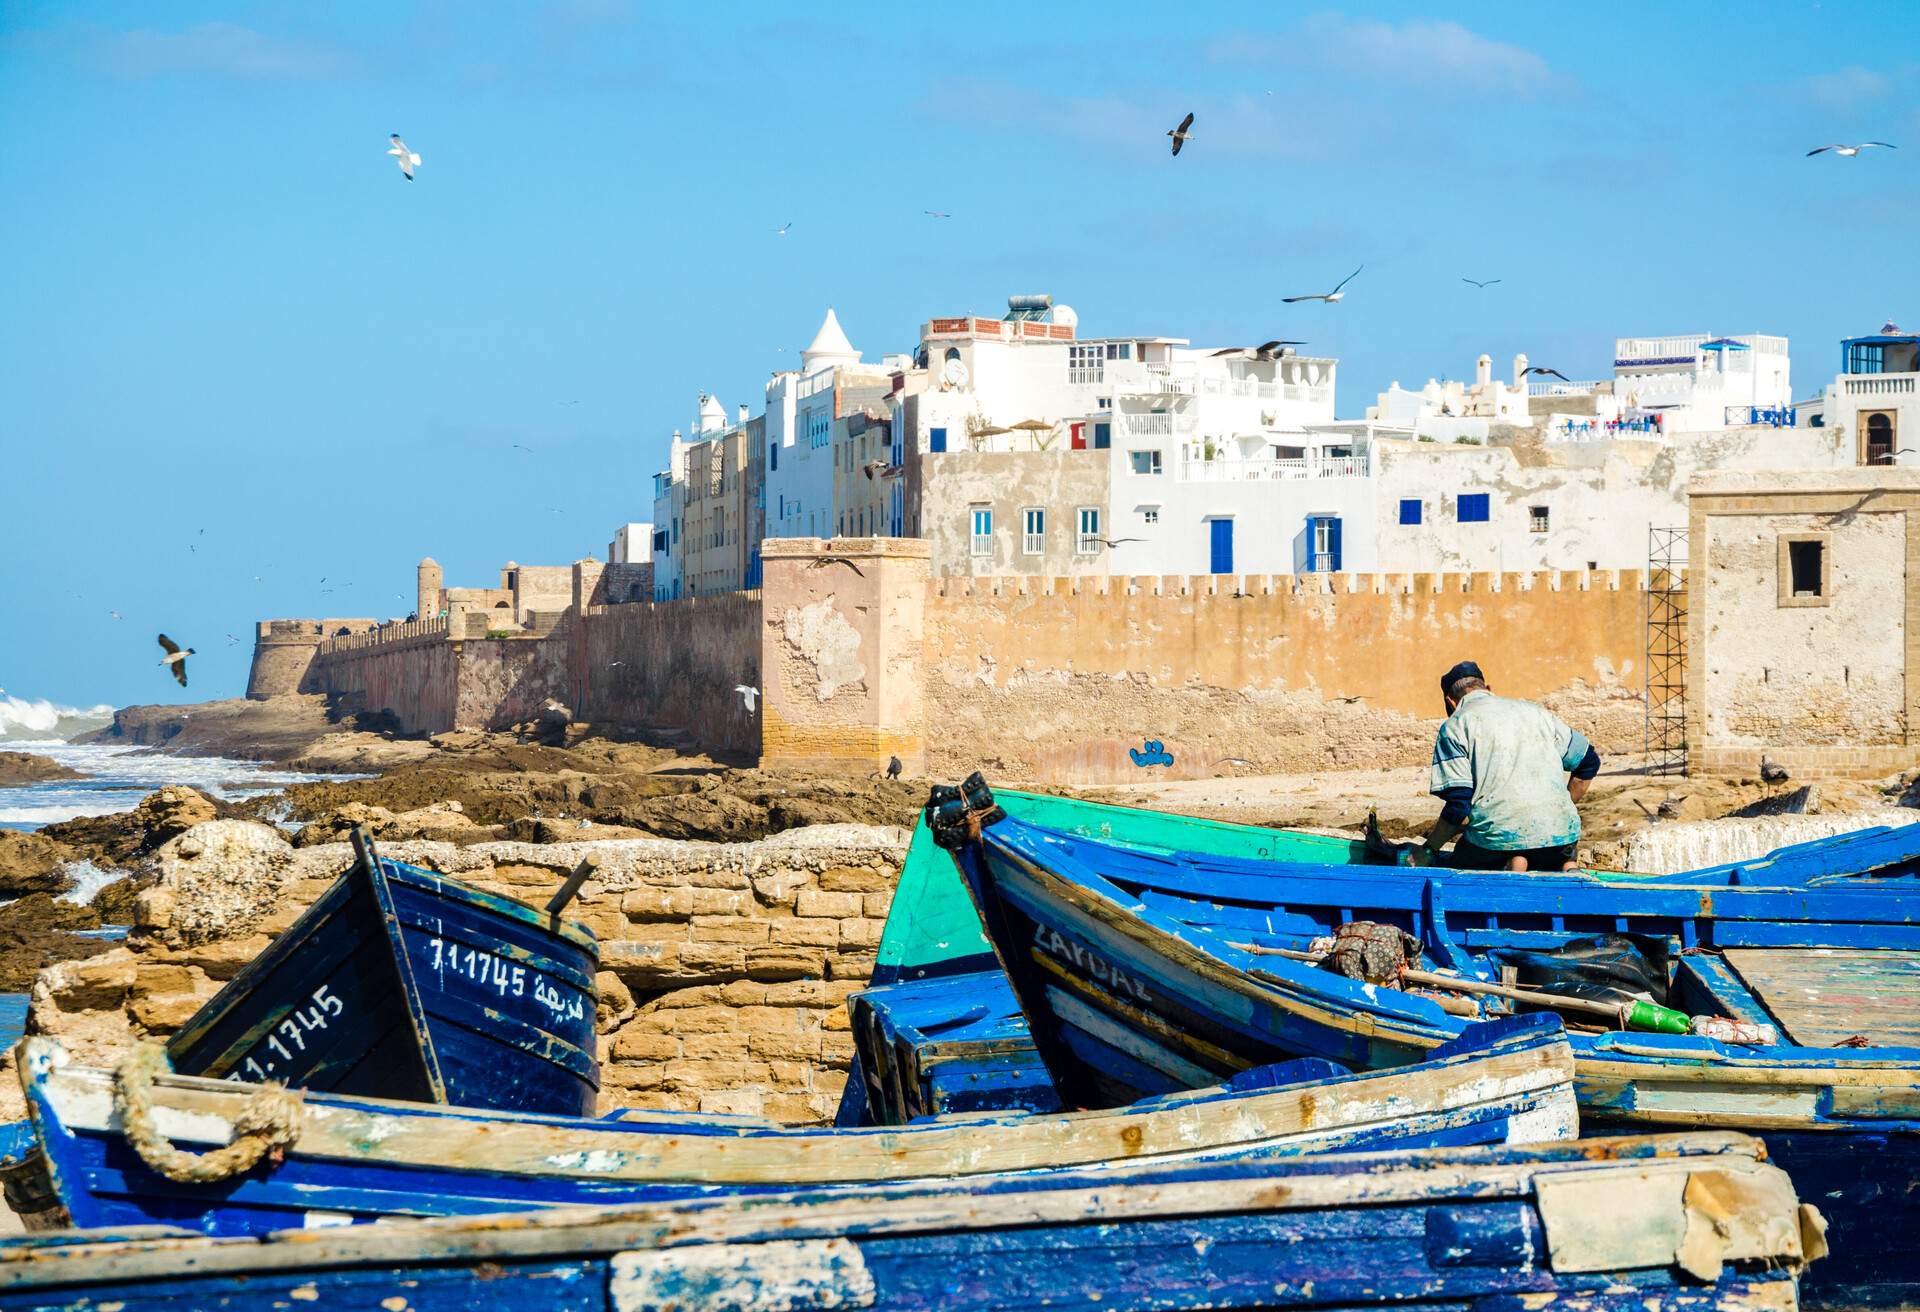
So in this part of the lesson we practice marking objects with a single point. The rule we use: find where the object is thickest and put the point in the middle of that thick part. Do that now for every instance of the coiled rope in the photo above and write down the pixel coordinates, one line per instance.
(265, 1128)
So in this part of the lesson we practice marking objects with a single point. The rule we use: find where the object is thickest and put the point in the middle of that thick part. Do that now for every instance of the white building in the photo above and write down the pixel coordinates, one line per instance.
(1687, 384)
(1450, 410)
(1873, 405)
(632, 545)
(801, 407)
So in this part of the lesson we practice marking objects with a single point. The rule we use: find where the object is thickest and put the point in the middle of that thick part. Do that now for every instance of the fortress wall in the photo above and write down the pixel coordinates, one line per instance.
(1066, 679)
(415, 677)
(505, 681)
(283, 652)
(673, 665)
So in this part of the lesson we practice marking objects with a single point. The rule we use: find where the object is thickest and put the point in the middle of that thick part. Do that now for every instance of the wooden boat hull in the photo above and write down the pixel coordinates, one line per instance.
(362, 1159)
(1699, 1224)
(402, 983)
(1124, 997)
(943, 1046)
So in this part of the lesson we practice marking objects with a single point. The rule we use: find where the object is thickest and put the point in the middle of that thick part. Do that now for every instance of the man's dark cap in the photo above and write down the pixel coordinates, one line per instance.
(1464, 670)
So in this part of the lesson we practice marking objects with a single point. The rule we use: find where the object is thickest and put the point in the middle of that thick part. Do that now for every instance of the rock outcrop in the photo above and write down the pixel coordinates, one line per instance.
(18, 768)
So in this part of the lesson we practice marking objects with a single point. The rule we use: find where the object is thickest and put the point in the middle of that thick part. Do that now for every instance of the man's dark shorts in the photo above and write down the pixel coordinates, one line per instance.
(1471, 856)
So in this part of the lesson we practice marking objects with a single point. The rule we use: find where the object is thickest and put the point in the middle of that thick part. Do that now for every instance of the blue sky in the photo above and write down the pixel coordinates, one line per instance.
(234, 342)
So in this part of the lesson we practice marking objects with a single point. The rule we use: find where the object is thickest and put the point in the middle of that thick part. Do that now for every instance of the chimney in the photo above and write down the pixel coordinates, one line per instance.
(1520, 371)
(1483, 369)
(743, 412)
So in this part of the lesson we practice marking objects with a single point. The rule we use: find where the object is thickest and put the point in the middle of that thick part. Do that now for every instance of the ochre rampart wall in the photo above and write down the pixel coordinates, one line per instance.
(673, 665)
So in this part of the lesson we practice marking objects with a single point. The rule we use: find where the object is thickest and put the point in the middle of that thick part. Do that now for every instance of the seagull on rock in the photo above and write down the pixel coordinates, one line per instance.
(406, 159)
(1329, 297)
(1848, 152)
(1181, 135)
(176, 658)
(748, 694)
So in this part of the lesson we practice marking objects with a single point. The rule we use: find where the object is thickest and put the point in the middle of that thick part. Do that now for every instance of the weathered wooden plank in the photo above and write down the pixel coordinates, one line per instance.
(1822, 997)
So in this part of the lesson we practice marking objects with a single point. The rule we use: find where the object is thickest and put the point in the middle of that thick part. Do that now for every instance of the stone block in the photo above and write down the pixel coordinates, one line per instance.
(691, 875)
(710, 1047)
(695, 995)
(744, 993)
(97, 984)
(779, 963)
(602, 924)
(154, 979)
(878, 904)
(851, 965)
(837, 1019)
(721, 902)
(657, 904)
(799, 993)
(688, 1073)
(777, 888)
(808, 933)
(153, 908)
(663, 1102)
(786, 1047)
(854, 879)
(733, 1102)
(642, 965)
(629, 1076)
(698, 1020)
(837, 906)
(768, 1020)
(792, 1109)
(616, 1002)
(862, 933)
(792, 1076)
(729, 929)
(634, 1044)
(713, 959)
(163, 1014)
(223, 958)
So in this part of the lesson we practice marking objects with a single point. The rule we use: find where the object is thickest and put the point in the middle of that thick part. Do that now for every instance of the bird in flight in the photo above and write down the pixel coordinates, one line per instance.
(781, 231)
(748, 694)
(406, 159)
(1272, 350)
(175, 658)
(113, 614)
(527, 449)
(1482, 285)
(231, 638)
(1544, 372)
(1114, 542)
(1848, 152)
(936, 214)
(821, 562)
(1328, 297)
(1181, 136)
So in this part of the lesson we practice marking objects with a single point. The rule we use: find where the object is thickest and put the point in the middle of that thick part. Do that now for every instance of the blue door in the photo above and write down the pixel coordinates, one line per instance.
(1222, 530)
(1323, 544)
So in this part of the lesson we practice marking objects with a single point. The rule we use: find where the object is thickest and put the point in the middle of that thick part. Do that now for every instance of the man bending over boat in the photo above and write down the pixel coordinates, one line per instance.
(1509, 773)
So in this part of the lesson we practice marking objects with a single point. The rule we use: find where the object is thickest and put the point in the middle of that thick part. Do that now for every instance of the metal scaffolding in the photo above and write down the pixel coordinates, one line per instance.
(1666, 663)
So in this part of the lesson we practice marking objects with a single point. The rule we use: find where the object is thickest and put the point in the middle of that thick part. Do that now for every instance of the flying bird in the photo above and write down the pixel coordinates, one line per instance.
(1482, 285)
(113, 614)
(1114, 542)
(1265, 351)
(176, 658)
(749, 695)
(1181, 136)
(1544, 372)
(879, 469)
(936, 214)
(821, 562)
(1328, 297)
(1848, 152)
(231, 638)
(406, 159)
(781, 231)
(518, 447)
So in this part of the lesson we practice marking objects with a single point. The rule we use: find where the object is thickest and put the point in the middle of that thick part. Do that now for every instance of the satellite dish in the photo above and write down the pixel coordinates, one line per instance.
(953, 374)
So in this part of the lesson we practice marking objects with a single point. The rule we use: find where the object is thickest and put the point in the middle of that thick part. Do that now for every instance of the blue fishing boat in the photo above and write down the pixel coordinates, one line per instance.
(1693, 1223)
(933, 1047)
(347, 1159)
(403, 983)
(1141, 971)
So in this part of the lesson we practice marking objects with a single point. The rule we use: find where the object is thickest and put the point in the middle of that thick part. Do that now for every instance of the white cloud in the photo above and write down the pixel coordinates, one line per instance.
(1846, 87)
(1423, 52)
(219, 49)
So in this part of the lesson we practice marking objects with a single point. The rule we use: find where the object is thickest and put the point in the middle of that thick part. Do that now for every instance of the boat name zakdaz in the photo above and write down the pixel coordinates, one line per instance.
(487, 968)
(258, 1067)
(1089, 963)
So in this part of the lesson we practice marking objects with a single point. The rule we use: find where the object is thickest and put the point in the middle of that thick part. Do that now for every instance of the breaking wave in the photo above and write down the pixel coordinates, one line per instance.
(42, 721)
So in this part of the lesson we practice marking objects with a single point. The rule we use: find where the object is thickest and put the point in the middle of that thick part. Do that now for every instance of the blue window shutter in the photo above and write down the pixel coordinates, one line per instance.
(1102, 436)
(1410, 511)
(1473, 508)
(936, 439)
(773, 455)
(1333, 543)
(1221, 546)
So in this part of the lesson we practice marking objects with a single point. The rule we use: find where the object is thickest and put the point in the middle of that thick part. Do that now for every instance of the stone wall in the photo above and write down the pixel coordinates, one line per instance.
(673, 665)
(283, 652)
(725, 967)
(414, 676)
(1822, 682)
(1063, 679)
(504, 681)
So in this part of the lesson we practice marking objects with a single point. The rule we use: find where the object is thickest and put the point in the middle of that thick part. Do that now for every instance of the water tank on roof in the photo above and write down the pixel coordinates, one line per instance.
(1028, 307)
(1066, 315)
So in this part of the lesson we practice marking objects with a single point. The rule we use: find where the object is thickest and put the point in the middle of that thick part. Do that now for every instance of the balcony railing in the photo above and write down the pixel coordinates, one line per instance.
(1157, 424)
(1880, 385)
(1555, 387)
(1239, 471)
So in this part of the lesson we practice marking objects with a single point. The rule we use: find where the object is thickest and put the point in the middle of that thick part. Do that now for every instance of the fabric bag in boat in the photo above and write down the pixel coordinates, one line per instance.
(1606, 968)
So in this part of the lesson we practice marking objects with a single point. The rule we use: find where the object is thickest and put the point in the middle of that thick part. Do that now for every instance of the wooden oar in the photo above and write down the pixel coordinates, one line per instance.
(1635, 1015)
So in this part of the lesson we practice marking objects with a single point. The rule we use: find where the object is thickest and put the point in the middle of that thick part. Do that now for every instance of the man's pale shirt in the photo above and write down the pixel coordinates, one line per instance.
(1515, 756)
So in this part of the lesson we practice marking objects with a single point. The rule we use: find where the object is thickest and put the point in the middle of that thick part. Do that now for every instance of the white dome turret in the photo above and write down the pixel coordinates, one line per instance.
(830, 347)
(713, 415)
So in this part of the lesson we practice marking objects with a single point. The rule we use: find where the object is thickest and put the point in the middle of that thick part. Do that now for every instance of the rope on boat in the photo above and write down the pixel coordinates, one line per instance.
(265, 1128)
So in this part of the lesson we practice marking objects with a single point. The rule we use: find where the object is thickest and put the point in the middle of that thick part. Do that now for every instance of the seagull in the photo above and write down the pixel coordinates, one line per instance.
(175, 658)
(231, 638)
(1328, 297)
(936, 214)
(113, 614)
(876, 469)
(1771, 773)
(821, 562)
(1267, 351)
(894, 767)
(615, 664)
(781, 231)
(527, 449)
(1544, 371)
(406, 159)
(1848, 152)
(748, 694)
(1180, 134)
(1114, 542)
(1482, 285)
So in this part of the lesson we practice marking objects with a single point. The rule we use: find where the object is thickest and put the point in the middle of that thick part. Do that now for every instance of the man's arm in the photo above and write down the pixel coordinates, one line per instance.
(1453, 819)
(1582, 777)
